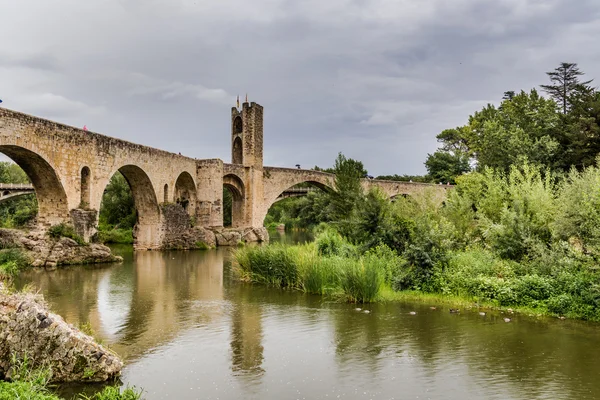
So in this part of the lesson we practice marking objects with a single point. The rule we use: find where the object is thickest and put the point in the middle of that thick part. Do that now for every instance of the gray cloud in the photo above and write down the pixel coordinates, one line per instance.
(375, 79)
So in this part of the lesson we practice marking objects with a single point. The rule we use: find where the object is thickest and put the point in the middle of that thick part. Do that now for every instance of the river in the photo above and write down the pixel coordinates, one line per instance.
(187, 330)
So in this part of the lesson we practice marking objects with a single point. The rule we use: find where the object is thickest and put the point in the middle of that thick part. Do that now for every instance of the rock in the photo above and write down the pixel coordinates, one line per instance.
(44, 251)
(249, 235)
(27, 327)
(228, 237)
(262, 234)
(280, 227)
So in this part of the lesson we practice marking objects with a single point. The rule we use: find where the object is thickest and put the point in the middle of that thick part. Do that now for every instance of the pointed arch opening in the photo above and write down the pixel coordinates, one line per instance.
(233, 201)
(85, 188)
(237, 156)
(185, 192)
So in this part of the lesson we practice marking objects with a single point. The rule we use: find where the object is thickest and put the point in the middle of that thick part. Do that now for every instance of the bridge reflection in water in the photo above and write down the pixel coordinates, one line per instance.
(188, 331)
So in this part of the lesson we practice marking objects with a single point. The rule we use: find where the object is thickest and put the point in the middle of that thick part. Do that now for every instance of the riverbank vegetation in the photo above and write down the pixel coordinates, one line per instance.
(521, 228)
(34, 384)
(519, 239)
(12, 262)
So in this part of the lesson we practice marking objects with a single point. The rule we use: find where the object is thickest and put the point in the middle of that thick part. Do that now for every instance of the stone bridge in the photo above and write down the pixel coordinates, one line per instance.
(12, 190)
(70, 168)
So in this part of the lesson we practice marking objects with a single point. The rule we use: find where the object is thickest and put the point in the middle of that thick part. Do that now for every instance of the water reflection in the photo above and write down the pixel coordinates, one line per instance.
(290, 237)
(188, 331)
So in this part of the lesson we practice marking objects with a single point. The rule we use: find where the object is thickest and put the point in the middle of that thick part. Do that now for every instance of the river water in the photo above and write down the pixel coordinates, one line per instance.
(187, 330)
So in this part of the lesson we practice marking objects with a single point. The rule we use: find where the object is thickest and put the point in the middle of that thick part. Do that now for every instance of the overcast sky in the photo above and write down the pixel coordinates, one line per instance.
(374, 79)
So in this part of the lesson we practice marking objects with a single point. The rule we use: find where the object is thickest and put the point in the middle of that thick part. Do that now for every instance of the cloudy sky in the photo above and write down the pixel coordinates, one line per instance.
(374, 79)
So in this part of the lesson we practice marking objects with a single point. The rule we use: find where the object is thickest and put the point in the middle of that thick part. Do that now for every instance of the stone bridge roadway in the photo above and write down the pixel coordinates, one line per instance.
(69, 169)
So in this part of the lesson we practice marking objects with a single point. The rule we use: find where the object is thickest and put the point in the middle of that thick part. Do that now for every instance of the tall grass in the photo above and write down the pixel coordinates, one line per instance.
(304, 267)
(33, 384)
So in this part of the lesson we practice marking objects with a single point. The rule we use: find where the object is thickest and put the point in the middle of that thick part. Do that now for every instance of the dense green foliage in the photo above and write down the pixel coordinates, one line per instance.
(117, 209)
(17, 212)
(521, 238)
(117, 212)
(12, 261)
(320, 206)
(554, 133)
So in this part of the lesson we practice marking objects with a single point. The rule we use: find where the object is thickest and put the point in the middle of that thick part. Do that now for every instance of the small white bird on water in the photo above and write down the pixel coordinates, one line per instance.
(413, 313)
(358, 309)
(366, 311)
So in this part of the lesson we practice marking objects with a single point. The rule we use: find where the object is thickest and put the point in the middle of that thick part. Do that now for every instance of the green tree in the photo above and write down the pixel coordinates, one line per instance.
(565, 81)
(12, 173)
(118, 209)
(443, 166)
(348, 190)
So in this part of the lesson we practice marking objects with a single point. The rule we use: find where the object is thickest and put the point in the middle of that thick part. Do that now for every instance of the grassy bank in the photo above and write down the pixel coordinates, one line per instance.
(472, 277)
(35, 385)
(328, 267)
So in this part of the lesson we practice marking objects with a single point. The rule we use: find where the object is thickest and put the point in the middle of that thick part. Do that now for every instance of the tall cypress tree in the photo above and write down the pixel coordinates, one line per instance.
(565, 80)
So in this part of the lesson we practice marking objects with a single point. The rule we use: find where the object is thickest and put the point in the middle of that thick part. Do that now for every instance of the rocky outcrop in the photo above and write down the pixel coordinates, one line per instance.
(28, 328)
(44, 251)
(233, 236)
(191, 238)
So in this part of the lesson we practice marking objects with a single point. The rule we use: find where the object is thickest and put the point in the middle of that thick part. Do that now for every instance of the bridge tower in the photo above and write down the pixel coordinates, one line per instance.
(247, 151)
(247, 135)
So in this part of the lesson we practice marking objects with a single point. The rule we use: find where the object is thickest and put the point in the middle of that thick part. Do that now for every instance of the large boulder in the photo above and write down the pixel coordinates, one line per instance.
(29, 329)
(44, 251)
(191, 238)
(228, 237)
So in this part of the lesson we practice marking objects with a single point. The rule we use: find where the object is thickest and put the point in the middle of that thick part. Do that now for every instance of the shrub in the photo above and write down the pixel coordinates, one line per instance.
(64, 230)
(12, 261)
(331, 243)
(561, 304)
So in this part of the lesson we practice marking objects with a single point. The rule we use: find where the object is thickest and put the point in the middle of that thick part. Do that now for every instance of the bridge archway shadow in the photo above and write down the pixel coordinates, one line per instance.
(185, 192)
(233, 201)
(52, 204)
(131, 186)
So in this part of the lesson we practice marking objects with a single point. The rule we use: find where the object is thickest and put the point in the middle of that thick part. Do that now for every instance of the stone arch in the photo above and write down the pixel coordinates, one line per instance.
(238, 126)
(287, 180)
(86, 179)
(236, 187)
(146, 233)
(166, 193)
(51, 196)
(237, 152)
(185, 192)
